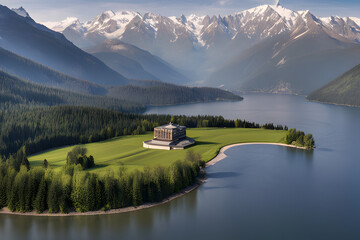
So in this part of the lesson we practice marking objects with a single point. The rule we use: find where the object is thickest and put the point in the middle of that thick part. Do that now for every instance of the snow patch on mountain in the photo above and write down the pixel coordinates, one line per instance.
(281, 62)
(111, 24)
(356, 20)
(61, 26)
(119, 47)
(300, 35)
(21, 12)
(288, 15)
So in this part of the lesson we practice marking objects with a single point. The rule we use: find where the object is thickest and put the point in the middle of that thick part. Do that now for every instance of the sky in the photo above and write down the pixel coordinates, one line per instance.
(56, 10)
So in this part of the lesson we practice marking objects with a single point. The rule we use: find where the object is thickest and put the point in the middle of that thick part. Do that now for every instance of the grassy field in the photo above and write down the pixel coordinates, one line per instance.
(128, 150)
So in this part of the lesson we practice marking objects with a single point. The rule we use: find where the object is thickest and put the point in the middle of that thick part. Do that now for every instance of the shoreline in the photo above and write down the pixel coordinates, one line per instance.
(332, 103)
(112, 211)
(220, 156)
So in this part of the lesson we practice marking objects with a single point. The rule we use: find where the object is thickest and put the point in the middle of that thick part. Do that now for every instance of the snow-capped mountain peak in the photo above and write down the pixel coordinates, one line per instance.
(356, 20)
(256, 24)
(287, 14)
(61, 26)
(21, 12)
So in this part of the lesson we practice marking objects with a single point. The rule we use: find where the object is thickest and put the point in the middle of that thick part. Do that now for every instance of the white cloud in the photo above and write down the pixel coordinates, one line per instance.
(224, 2)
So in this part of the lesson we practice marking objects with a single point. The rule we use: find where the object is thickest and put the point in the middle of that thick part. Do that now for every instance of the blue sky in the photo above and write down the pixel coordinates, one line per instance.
(55, 10)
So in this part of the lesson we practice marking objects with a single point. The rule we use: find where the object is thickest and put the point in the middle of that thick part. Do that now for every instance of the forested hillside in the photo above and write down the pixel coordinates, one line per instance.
(17, 91)
(42, 128)
(157, 93)
(343, 90)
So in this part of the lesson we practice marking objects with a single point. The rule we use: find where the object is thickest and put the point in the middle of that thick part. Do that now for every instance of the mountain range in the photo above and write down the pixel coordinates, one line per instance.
(51, 68)
(267, 48)
(21, 35)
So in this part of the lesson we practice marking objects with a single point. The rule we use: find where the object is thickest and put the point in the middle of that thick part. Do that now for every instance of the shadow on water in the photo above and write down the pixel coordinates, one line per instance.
(325, 149)
(228, 186)
(222, 175)
(292, 154)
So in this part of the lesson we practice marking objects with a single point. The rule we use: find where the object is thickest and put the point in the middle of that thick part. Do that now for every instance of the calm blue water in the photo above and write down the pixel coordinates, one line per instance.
(257, 192)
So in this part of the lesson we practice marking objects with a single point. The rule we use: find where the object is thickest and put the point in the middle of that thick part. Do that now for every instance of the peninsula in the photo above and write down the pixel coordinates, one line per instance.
(119, 175)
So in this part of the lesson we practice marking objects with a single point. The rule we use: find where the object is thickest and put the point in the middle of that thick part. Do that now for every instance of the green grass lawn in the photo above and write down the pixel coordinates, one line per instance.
(128, 150)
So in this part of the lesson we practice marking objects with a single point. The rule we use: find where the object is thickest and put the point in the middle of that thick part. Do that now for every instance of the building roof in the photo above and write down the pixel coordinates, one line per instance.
(171, 126)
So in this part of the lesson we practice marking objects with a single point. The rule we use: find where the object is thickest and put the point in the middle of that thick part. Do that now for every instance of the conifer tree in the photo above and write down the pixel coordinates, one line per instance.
(40, 203)
(137, 189)
(54, 195)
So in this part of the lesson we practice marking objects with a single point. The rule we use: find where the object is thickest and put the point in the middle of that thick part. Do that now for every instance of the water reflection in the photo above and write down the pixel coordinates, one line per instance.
(222, 175)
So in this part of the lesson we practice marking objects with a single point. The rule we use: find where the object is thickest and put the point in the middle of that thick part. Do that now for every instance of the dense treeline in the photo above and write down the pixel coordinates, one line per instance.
(299, 139)
(74, 189)
(42, 128)
(168, 94)
(17, 91)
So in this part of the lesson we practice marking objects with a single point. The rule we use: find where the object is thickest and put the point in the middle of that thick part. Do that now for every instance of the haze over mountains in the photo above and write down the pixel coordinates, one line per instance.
(51, 68)
(23, 36)
(268, 48)
(135, 63)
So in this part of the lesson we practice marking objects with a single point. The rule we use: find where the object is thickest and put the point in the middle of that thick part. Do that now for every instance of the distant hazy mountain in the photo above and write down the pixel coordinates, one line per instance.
(343, 90)
(268, 48)
(136, 63)
(159, 93)
(14, 90)
(38, 73)
(21, 35)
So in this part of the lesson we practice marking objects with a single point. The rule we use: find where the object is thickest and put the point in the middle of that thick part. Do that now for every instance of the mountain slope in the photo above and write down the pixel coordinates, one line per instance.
(37, 73)
(136, 63)
(14, 90)
(124, 65)
(344, 90)
(23, 36)
(158, 93)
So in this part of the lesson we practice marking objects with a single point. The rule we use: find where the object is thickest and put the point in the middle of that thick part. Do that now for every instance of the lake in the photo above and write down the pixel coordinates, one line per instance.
(257, 192)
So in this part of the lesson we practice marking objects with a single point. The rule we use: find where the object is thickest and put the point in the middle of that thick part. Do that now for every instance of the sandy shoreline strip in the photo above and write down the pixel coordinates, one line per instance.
(220, 156)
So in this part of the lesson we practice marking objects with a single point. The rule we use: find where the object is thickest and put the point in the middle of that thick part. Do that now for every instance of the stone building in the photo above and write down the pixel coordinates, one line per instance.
(168, 137)
(169, 132)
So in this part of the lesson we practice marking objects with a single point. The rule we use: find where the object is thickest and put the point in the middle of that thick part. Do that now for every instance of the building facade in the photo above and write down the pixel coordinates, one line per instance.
(169, 137)
(169, 132)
